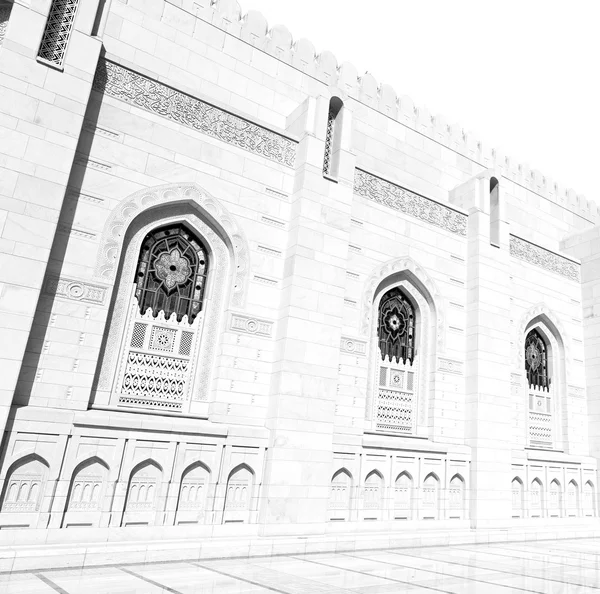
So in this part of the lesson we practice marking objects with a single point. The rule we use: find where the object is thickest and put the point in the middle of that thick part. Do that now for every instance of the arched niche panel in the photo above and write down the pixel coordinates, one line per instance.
(340, 496)
(85, 499)
(192, 502)
(239, 495)
(24, 489)
(518, 498)
(456, 497)
(143, 495)
(430, 502)
(373, 493)
(403, 496)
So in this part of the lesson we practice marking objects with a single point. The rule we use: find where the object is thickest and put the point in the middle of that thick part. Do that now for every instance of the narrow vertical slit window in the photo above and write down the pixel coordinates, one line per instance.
(57, 33)
(5, 9)
(494, 212)
(333, 139)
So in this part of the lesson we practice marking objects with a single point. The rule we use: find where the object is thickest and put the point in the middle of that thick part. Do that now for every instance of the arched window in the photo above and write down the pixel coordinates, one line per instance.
(397, 376)
(333, 135)
(164, 321)
(536, 361)
(396, 328)
(171, 273)
(538, 357)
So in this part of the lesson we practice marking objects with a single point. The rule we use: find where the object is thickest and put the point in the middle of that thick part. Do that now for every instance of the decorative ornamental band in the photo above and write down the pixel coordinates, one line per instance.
(69, 288)
(383, 192)
(538, 256)
(249, 325)
(141, 91)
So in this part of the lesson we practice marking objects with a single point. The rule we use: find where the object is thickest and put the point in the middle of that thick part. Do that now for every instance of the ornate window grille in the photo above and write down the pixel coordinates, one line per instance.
(171, 273)
(165, 319)
(332, 138)
(536, 361)
(58, 31)
(540, 393)
(397, 376)
(5, 9)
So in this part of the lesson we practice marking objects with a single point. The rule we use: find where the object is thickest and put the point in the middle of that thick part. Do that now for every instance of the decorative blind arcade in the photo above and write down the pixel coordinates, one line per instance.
(397, 374)
(164, 321)
(58, 31)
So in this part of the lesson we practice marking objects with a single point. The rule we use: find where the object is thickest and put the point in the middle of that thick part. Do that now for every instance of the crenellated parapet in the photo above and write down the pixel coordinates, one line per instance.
(253, 28)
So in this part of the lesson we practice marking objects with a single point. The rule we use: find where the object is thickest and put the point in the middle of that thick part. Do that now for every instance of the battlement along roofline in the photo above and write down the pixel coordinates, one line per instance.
(253, 28)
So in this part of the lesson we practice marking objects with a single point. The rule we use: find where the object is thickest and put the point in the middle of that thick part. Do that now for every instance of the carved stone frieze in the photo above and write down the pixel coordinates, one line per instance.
(383, 192)
(74, 289)
(141, 91)
(450, 366)
(353, 346)
(538, 256)
(249, 325)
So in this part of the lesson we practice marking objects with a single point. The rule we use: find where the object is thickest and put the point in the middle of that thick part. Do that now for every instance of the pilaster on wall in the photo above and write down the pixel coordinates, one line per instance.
(488, 404)
(586, 247)
(41, 114)
(304, 386)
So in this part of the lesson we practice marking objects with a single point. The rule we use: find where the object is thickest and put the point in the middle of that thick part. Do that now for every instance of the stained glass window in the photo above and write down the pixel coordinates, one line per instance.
(171, 273)
(396, 327)
(536, 361)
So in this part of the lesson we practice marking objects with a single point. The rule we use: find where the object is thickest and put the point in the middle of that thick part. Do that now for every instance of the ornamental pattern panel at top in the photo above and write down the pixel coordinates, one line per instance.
(383, 192)
(538, 256)
(135, 89)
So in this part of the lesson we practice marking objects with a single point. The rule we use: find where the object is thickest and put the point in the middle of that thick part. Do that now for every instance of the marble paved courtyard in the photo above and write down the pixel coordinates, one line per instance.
(544, 566)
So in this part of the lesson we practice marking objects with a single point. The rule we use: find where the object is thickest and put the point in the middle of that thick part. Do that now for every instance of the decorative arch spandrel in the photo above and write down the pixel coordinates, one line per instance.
(113, 235)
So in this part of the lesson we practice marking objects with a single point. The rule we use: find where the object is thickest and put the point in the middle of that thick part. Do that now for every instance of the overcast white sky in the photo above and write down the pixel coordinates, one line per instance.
(524, 75)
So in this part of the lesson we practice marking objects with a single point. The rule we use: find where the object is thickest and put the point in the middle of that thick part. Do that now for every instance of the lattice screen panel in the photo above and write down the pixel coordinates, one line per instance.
(58, 31)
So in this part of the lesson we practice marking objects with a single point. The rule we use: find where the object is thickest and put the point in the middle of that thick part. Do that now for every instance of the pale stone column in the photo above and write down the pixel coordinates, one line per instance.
(586, 247)
(304, 387)
(488, 395)
(41, 114)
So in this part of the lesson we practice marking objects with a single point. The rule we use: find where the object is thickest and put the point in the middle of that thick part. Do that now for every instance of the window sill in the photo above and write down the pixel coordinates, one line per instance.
(59, 67)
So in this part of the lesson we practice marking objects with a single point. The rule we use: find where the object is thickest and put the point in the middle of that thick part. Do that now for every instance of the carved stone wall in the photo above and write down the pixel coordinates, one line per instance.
(383, 192)
(141, 91)
(538, 256)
